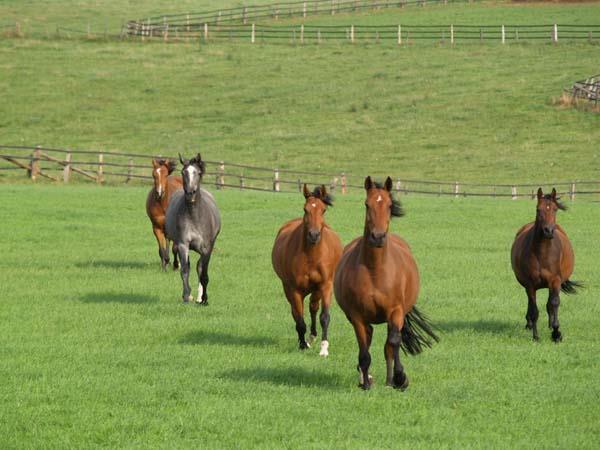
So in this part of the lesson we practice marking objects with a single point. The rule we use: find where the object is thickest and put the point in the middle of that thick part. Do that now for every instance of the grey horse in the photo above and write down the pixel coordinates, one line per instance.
(193, 223)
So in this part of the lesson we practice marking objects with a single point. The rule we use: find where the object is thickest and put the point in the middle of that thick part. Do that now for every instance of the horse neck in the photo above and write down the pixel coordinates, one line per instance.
(373, 257)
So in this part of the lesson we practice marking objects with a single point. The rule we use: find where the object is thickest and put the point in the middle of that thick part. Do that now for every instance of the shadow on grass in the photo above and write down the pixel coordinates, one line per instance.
(289, 376)
(478, 326)
(107, 264)
(118, 297)
(221, 338)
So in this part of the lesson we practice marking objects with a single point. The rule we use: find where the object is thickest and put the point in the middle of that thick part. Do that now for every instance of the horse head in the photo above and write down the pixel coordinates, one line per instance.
(192, 173)
(545, 219)
(314, 212)
(161, 169)
(381, 207)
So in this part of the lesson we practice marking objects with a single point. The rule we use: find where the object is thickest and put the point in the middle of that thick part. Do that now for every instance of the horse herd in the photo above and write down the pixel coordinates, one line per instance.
(375, 277)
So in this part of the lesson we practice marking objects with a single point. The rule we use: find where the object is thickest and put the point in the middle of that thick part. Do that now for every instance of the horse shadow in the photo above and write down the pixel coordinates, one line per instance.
(108, 264)
(202, 337)
(478, 326)
(286, 377)
(118, 297)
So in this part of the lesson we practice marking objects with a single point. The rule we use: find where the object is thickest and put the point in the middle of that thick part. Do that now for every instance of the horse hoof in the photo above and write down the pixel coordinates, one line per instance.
(312, 338)
(324, 348)
(400, 382)
(556, 336)
(188, 299)
(303, 345)
(365, 386)
(202, 303)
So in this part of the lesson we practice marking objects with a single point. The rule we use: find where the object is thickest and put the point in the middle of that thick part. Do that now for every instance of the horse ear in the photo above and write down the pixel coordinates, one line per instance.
(323, 191)
(305, 191)
(154, 163)
(171, 165)
(540, 194)
(553, 194)
(388, 184)
(368, 183)
(181, 160)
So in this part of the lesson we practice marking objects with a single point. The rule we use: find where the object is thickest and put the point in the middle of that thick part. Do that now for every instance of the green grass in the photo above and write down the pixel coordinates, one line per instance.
(474, 112)
(98, 351)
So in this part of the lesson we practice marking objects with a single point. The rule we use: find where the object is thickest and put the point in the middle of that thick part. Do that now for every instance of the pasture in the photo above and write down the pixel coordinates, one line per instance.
(484, 112)
(98, 350)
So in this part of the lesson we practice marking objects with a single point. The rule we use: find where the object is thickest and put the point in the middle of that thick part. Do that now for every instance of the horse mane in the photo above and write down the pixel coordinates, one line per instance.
(327, 198)
(197, 160)
(170, 163)
(397, 210)
(559, 205)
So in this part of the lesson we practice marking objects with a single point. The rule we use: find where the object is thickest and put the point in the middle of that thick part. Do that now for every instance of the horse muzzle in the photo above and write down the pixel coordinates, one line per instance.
(190, 197)
(313, 236)
(548, 232)
(377, 239)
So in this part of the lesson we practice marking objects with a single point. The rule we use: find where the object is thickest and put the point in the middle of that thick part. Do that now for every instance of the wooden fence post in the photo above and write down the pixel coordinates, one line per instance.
(572, 193)
(503, 35)
(253, 34)
(304, 9)
(344, 186)
(165, 30)
(352, 33)
(221, 176)
(245, 15)
(555, 33)
(35, 163)
(67, 168)
(399, 35)
(456, 187)
(276, 185)
(302, 34)
(242, 185)
(332, 7)
(205, 31)
(398, 185)
(514, 192)
(318, 36)
(452, 34)
(100, 178)
(129, 171)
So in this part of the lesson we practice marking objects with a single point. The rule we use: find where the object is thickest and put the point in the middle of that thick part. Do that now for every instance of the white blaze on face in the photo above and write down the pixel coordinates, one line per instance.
(160, 189)
(378, 198)
(314, 205)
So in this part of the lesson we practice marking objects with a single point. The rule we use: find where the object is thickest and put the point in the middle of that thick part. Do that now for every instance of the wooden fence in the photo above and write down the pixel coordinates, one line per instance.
(63, 165)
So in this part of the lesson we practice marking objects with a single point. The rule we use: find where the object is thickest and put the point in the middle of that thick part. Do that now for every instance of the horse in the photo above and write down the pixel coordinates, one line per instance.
(377, 281)
(542, 257)
(193, 223)
(156, 205)
(305, 254)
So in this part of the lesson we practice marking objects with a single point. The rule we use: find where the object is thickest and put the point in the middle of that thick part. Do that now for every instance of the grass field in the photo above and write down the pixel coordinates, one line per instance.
(98, 351)
(483, 112)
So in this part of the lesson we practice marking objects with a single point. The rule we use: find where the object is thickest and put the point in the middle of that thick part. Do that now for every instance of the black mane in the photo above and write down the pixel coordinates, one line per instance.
(327, 198)
(559, 205)
(397, 210)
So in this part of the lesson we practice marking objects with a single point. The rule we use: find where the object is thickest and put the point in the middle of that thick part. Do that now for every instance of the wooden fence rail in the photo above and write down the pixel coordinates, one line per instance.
(61, 165)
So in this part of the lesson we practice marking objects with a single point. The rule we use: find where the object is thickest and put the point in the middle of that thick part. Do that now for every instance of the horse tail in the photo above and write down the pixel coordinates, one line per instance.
(569, 286)
(417, 332)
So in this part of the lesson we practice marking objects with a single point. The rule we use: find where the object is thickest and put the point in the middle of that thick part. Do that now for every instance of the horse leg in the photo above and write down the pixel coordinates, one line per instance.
(175, 256)
(163, 249)
(552, 308)
(532, 312)
(395, 371)
(297, 304)
(184, 258)
(324, 320)
(315, 299)
(202, 269)
(364, 334)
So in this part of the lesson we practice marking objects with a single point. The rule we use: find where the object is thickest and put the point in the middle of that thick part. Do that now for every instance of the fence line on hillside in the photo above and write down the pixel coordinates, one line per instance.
(61, 165)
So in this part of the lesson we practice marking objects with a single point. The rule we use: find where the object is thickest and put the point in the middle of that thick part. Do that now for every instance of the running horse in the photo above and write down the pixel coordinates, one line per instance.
(542, 257)
(193, 223)
(377, 281)
(304, 256)
(158, 201)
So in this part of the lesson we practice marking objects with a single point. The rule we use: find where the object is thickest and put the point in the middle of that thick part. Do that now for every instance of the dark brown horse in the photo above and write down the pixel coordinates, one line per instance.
(377, 281)
(304, 256)
(542, 257)
(157, 203)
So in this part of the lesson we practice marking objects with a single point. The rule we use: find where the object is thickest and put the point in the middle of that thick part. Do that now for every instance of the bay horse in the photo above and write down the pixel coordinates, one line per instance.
(377, 281)
(305, 254)
(157, 202)
(193, 223)
(542, 257)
